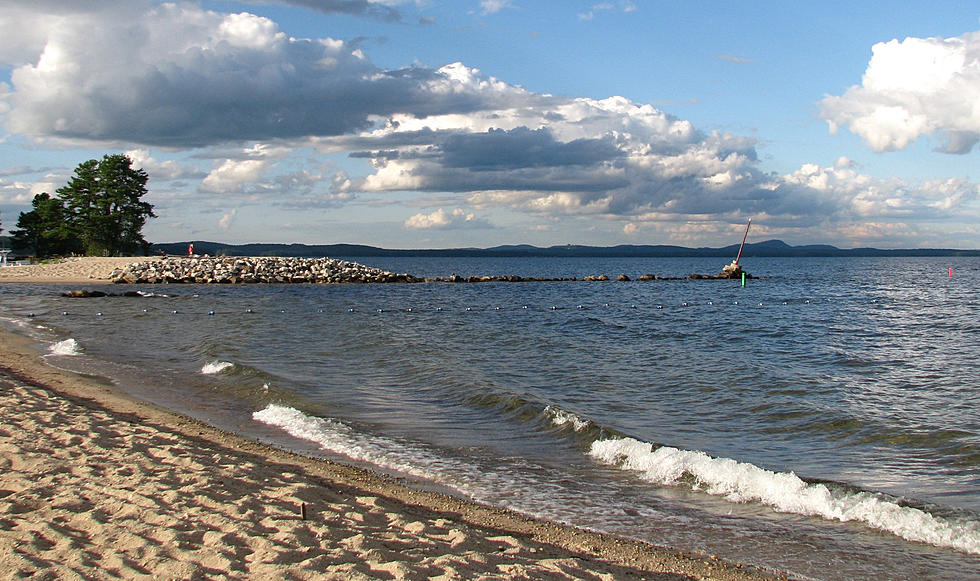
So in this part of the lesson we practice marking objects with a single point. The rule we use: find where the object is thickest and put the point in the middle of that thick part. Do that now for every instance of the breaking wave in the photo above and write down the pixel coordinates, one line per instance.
(785, 492)
(69, 347)
(339, 438)
(560, 417)
(216, 367)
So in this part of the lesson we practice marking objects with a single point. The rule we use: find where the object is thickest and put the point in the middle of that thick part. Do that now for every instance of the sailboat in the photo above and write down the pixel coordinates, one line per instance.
(734, 270)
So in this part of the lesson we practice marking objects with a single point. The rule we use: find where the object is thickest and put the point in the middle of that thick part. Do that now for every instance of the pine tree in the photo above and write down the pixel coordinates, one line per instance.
(103, 206)
(45, 229)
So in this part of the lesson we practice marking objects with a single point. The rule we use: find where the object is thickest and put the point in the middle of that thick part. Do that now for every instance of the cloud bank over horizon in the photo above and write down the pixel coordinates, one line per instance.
(259, 105)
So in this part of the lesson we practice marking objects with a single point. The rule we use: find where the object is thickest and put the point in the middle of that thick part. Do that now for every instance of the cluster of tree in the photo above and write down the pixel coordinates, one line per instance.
(99, 213)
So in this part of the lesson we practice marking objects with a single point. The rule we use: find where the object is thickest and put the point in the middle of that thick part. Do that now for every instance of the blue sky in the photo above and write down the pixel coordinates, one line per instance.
(451, 124)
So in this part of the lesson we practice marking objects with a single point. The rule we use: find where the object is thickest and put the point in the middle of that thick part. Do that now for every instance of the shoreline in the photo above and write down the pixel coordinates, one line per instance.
(94, 481)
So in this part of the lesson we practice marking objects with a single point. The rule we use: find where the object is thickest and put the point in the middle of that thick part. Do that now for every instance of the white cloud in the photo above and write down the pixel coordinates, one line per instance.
(15, 193)
(225, 222)
(233, 176)
(858, 196)
(165, 76)
(441, 219)
(24, 25)
(606, 7)
(161, 170)
(912, 88)
(617, 159)
(180, 76)
(493, 6)
(564, 156)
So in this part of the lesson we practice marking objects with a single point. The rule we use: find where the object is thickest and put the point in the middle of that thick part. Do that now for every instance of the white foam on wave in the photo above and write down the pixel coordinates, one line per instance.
(560, 417)
(339, 438)
(785, 492)
(215, 367)
(68, 347)
(507, 487)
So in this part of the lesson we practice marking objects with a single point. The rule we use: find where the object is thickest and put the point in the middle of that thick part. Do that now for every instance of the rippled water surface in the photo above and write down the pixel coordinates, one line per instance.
(822, 420)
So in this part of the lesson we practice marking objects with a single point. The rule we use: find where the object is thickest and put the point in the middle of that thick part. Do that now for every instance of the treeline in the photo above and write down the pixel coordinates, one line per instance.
(100, 212)
(768, 248)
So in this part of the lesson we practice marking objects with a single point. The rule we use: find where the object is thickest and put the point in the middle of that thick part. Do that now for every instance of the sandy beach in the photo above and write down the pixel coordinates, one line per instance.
(84, 269)
(96, 485)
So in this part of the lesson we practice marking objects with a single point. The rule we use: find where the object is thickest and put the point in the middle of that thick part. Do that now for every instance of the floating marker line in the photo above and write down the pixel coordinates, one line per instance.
(469, 309)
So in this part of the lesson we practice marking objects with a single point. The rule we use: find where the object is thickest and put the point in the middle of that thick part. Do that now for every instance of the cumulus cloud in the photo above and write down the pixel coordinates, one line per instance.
(16, 192)
(443, 220)
(233, 176)
(304, 189)
(161, 170)
(177, 75)
(857, 196)
(226, 220)
(911, 88)
(616, 159)
(580, 156)
(24, 24)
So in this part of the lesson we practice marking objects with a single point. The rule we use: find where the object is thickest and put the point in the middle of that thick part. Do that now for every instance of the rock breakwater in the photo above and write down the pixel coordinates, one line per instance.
(284, 270)
(248, 270)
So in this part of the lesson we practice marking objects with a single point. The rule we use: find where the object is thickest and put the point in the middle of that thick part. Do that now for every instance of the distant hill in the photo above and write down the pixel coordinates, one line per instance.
(769, 248)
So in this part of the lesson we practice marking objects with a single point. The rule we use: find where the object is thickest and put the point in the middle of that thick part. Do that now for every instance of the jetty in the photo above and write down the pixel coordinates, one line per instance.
(286, 270)
(253, 270)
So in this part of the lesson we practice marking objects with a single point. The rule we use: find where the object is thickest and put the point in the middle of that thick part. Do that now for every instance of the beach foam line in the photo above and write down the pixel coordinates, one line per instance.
(508, 487)
(216, 367)
(68, 347)
(742, 482)
(337, 437)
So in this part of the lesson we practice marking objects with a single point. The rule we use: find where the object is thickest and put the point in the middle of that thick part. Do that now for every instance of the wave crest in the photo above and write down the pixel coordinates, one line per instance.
(560, 417)
(216, 367)
(784, 492)
(69, 347)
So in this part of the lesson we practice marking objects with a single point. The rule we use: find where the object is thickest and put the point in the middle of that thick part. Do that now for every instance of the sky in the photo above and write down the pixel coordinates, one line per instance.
(477, 123)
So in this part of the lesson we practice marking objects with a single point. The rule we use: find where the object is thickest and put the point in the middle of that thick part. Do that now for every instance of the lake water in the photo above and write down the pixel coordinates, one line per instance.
(822, 420)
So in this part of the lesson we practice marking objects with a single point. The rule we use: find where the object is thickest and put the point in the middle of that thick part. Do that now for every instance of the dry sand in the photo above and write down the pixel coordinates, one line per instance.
(86, 269)
(96, 485)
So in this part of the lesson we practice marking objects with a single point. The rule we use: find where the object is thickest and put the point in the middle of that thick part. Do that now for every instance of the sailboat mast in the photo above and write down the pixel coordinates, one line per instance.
(741, 246)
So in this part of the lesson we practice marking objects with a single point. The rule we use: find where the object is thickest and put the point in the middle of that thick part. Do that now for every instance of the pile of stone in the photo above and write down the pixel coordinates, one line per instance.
(245, 270)
(283, 270)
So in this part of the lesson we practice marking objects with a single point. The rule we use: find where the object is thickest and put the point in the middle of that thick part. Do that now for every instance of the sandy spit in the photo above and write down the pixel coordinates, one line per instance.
(97, 485)
(85, 269)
